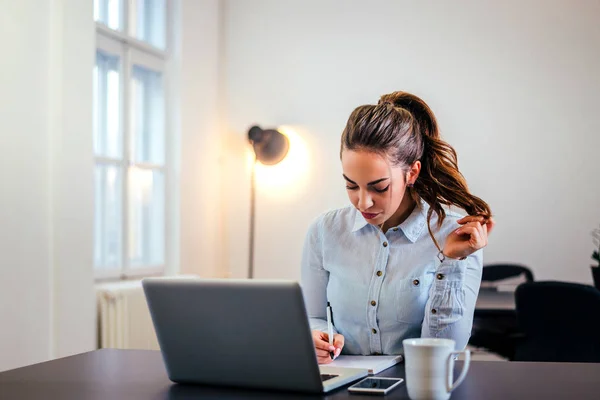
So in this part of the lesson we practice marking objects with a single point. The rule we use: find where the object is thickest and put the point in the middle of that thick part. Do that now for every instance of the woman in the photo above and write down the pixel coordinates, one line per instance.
(396, 264)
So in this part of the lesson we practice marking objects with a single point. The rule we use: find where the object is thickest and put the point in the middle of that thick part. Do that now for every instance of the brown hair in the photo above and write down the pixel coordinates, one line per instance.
(403, 127)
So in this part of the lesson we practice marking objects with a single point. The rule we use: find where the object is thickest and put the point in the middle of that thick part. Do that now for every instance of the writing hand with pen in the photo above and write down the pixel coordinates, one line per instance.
(327, 345)
(325, 350)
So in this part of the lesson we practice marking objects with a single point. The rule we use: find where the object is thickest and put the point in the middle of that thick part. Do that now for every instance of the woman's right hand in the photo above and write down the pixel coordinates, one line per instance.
(323, 348)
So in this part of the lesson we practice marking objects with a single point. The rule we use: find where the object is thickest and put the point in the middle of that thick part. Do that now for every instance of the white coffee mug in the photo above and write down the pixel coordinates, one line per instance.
(429, 366)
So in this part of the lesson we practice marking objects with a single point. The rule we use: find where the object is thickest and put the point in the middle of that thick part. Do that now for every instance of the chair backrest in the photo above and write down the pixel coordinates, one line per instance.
(497, 272)
(560, 322)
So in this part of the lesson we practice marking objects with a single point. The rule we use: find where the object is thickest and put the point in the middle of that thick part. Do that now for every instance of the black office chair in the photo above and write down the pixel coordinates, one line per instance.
(496, 333)
(497, 272)
(560, 322)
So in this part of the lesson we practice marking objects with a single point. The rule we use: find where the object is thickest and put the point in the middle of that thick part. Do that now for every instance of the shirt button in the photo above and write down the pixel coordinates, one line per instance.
(384, 244)
(434, 311)
(379, 273)
(440, 276)
(416, 282)
(395, 229)
(373, 303)
(374, 331)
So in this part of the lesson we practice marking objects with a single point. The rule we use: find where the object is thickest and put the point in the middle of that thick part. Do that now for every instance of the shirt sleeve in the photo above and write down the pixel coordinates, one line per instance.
(452, 297)
(314, 277)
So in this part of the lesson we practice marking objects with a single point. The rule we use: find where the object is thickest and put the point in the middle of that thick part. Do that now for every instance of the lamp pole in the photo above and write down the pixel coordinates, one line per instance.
(252, 218)
(270, 147)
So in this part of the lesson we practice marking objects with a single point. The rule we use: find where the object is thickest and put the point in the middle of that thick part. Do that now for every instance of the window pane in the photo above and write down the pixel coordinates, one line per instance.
(147, 122)
(108, 217)
(109, 12)
(148, 20)
(146, 217)
(107, 113)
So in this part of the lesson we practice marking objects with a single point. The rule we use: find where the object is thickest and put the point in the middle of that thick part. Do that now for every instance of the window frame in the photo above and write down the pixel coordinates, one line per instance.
(132, 51)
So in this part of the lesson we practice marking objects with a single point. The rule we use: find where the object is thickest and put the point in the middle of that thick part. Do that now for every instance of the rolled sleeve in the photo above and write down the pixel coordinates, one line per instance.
(452, 297)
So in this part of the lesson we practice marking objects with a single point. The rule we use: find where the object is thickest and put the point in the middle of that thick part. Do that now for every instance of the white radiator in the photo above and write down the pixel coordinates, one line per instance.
(123, 318)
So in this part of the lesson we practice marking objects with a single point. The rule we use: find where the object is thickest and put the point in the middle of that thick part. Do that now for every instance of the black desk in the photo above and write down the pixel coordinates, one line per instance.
(140, 374)
(492, 302)
(495, 322)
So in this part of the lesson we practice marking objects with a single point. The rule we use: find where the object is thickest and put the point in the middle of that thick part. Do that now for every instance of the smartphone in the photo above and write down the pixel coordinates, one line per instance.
(373, 385)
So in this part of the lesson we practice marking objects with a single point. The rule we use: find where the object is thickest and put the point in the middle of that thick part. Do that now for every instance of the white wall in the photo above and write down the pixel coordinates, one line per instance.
(25, 235)
(72, 56)
(46, 296)
(514, 84)
(197, 65)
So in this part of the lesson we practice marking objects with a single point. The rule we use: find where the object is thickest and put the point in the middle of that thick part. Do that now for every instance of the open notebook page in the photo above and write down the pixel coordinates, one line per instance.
(375, 364)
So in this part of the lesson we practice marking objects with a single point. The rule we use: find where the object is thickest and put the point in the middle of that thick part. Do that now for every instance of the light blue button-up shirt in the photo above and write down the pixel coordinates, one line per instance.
(384, 288)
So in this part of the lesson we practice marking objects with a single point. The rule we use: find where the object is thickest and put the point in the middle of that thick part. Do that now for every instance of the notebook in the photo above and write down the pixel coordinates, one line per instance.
(375, 364)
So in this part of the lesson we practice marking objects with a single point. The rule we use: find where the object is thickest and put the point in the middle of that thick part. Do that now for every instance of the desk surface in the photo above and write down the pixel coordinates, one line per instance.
(140, 374)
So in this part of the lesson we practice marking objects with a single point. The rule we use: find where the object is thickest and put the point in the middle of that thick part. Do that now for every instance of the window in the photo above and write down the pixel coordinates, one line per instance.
(130, 137)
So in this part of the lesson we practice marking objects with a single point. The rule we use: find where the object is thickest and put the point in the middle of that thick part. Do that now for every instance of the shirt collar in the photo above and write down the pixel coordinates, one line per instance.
(412, 227)
(359, 221)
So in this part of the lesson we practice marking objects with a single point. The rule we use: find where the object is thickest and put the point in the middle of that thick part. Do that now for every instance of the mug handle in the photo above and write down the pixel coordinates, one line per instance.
(449, 385)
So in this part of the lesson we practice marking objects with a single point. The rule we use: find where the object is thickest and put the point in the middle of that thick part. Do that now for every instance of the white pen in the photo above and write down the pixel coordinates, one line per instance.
(330, 327)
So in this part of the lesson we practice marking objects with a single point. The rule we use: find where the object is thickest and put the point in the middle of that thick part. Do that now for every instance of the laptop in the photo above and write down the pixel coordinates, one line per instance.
(239, 333)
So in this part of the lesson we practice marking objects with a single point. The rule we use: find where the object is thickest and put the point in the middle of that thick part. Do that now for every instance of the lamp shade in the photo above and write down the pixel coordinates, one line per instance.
(270, 145)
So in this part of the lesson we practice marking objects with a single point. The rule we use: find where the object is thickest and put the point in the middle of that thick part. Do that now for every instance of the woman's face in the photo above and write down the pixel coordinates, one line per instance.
(374, 186)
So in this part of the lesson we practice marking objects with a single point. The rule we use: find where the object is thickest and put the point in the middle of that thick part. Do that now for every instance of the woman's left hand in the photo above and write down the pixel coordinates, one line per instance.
(470, 237)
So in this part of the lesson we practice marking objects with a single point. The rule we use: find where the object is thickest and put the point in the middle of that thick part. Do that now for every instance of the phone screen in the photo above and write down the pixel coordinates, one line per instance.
(376, 383)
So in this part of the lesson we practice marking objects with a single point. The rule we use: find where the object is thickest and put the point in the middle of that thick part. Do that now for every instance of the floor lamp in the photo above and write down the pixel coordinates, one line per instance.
(270, 147)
